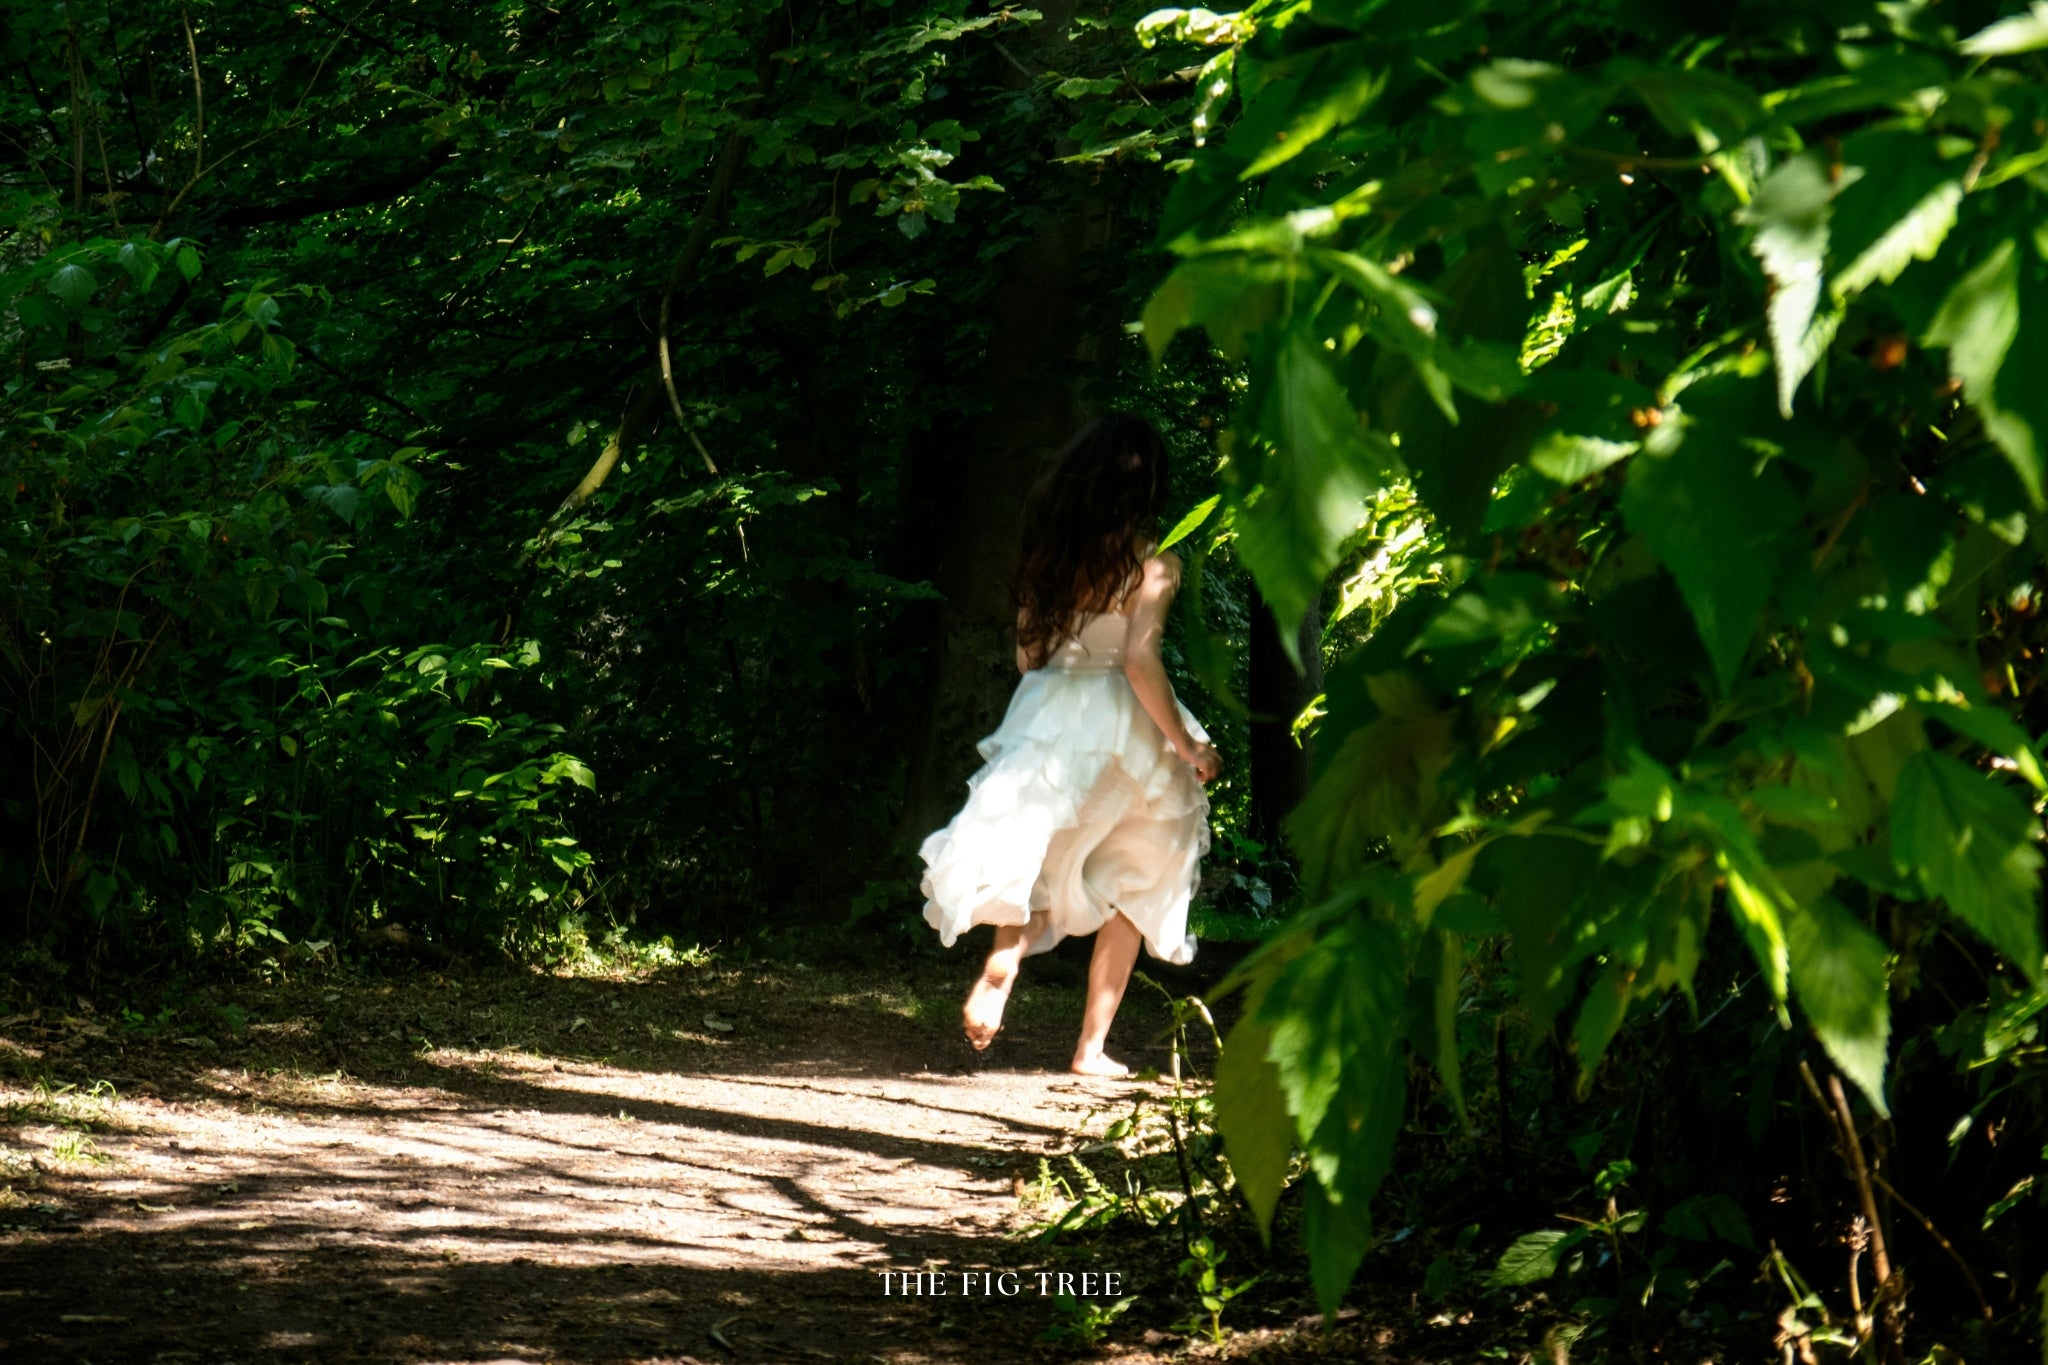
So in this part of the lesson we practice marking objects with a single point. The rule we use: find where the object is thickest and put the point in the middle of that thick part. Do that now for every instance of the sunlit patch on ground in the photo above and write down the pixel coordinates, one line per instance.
(568, 1170)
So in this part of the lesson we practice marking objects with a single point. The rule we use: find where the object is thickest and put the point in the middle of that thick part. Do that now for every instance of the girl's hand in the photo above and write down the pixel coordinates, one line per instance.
(1206, 762)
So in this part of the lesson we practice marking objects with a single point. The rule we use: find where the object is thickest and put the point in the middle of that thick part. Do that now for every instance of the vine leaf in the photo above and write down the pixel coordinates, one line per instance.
(1717, 522)
(1383, 784)
(1311, 487)
(1337, 1013)
(1994, 323)
(1251, 1114)
(1970, 840)
(1339, 91)
(1839, 973)
(1533, 1257)
(1897, 210)
(1789, 223)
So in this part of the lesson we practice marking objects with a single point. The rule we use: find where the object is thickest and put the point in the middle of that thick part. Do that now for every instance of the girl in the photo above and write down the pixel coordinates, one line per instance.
(1088, 816)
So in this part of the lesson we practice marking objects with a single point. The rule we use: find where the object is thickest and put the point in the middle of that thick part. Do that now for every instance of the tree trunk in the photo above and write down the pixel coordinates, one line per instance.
(1280, 770)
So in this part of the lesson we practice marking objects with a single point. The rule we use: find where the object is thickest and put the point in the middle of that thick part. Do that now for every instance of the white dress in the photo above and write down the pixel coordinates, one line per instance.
(1081, 810)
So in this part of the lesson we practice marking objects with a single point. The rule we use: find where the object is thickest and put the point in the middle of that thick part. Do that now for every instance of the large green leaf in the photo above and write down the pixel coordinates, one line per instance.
(1601, 1016)
(1718, 521)
(1382, 785)
(1338, 92)
(1971, 840)
(1311, 486)
(1336, 1244)
(1533, 1257)
(1896, 207)
(1711, 107)
(1839, 973)
(2020, 33)
(1251, 1114)
(1336, 1014)
(1591, 421)
(74, 285)
(1230, 295)
(1994, 323)
(1789, 234)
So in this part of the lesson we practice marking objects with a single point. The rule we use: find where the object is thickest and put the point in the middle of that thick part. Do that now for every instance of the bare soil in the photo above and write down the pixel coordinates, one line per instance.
(690, 1164)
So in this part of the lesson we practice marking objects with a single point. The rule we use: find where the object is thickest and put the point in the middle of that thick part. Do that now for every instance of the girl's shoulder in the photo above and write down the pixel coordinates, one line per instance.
(1163, 563)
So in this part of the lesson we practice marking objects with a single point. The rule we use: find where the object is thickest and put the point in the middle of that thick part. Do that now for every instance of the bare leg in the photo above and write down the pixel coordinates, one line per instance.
(982, 1016)
(1109, 970)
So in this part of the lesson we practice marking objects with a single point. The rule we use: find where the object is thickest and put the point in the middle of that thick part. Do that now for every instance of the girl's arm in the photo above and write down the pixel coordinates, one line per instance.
(1147, 672)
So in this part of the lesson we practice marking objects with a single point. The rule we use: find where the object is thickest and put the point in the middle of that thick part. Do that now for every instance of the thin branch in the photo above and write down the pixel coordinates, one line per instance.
(198, 125)
(1880, 1257)
(668, 383)
(71, 41)
(1003, 50)
(1983, 1304)
(1885, 1303)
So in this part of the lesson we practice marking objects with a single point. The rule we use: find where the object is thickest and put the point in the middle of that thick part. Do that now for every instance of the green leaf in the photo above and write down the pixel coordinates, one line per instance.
(140, 262)
(1718, 521)
(73, 286)
(1343, 86)
(1534, 1256)
(1592, 425)
(2019, 33)
(1788, 220)
(1897, 209)
(1312, 486)
(1994, 323)
(1970, 839)
(1232, 297)
(1996, 731)
(1335, 1016)
(576, 770)
(1434, 1031)
(1192, 522)
(1600, 1018)
(1382, 784)
(1704, 1217)
(1336, 1013)
(1839, 973)
(1251, 1115)
(1715, 110)
(1336, 1246)
(1513, 608)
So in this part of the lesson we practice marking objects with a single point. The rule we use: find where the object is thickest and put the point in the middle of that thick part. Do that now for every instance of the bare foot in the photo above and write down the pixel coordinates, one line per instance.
(1099, 1064)
(982, 1015)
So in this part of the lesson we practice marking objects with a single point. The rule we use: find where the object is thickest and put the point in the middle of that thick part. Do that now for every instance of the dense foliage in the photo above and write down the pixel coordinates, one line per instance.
(463, 470)
(315, 319)
(1714, 349)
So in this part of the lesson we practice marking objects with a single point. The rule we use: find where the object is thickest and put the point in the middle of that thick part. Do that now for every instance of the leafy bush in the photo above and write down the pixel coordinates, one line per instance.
(1705, 344)
(218, 757)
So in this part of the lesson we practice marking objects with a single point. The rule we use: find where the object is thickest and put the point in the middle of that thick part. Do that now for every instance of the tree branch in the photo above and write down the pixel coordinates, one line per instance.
(198, 123)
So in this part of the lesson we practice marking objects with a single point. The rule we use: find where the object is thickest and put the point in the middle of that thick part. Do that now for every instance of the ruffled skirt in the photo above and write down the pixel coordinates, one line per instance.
(1080, 811)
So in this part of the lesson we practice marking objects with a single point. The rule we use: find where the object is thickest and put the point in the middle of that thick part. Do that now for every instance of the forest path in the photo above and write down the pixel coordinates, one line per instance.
(707, 1165)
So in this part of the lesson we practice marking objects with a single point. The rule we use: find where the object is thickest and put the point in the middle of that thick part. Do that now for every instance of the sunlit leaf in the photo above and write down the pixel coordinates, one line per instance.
(1839, 974)
(1972, 842)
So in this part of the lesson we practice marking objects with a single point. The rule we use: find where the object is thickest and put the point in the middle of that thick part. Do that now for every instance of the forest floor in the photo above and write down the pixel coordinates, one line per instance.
(687, 1164)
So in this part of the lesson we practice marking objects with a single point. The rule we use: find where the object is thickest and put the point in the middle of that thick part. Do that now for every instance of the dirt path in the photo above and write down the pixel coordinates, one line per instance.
(708, 1165)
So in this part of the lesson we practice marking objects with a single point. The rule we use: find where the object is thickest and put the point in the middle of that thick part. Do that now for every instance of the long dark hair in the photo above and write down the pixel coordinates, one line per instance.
(1087, 527)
